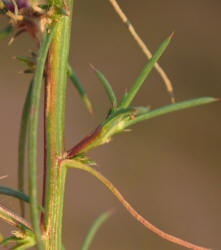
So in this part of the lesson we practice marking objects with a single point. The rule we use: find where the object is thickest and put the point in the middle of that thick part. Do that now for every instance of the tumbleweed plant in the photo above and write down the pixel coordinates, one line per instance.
(49, 23)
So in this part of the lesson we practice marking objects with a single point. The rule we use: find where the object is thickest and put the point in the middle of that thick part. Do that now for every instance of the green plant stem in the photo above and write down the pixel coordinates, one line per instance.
(54, 135)
(32, 135)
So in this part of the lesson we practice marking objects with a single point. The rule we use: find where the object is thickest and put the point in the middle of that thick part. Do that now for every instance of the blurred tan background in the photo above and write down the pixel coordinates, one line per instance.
(168, 168)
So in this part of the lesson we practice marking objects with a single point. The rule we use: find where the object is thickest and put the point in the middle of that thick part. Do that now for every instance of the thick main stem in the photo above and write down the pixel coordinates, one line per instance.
(54, 136)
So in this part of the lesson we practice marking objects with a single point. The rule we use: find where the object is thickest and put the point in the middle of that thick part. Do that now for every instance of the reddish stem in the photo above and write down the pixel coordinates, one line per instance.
(71, 153)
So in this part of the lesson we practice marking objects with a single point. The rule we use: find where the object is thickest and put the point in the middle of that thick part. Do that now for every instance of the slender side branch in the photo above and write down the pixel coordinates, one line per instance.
(129, 208)
(144, 48)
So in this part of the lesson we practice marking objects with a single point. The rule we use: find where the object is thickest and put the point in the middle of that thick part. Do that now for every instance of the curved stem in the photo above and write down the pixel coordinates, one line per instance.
(129, 208)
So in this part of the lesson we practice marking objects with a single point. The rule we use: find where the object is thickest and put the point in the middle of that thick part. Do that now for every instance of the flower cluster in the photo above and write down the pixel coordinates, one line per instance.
(25, 17)
(12, 5)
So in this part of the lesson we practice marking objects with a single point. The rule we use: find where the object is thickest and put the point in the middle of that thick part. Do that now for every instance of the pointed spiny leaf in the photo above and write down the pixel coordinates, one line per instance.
(94, 228)
(145, 72)
(78, 86)
(171, 108)
(107, 87)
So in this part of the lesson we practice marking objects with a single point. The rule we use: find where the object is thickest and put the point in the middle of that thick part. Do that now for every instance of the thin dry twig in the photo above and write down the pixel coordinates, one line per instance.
(129, 208)
(3, 177)
(144, 48)
(13, 218)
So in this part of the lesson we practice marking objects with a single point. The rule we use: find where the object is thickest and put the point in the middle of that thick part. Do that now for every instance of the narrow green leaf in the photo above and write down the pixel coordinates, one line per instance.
(94, 228)
(29, 61)
(22, 246)
(33, 125)
(145, 72)
(22, 143)
(28, 71)
(14, 193)
(107, 87)
(123, 99)
(78, 86)
(44, 6)
(6, 241)
(171, 108)
(17, 194)
(6, 31)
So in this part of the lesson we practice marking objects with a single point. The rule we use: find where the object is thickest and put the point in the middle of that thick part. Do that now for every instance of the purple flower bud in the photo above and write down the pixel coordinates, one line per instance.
(10, 6)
